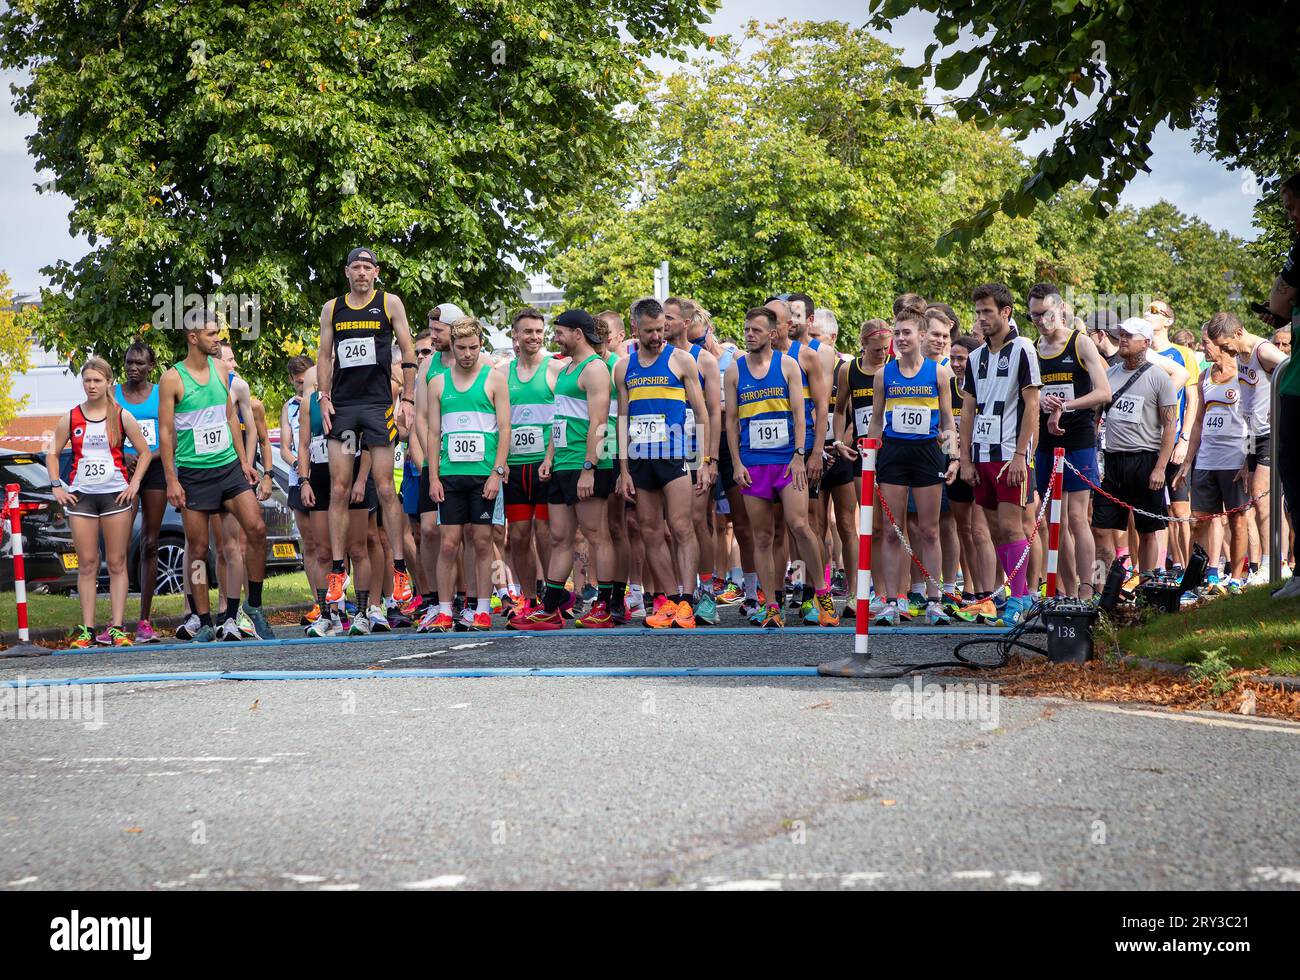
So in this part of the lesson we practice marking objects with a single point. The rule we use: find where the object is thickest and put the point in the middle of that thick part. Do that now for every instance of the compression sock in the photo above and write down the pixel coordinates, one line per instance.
(254, 594)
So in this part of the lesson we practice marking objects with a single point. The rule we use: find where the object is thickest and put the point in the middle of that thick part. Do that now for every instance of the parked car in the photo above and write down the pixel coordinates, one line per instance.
(283, 553)
(49, 556)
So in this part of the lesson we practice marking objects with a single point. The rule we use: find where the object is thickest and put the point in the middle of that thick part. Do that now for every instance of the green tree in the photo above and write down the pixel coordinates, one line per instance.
(15, 347)
(1127, 67)
(244, 148)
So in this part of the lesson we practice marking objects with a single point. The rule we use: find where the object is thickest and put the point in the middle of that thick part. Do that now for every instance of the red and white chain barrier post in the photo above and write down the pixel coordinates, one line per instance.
(13, 509)
(859, 665)
(1054, 520)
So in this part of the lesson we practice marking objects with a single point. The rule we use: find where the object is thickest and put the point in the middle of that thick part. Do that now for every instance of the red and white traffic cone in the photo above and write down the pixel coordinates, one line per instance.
(1054, 521)
(860, 665)
(13, 510)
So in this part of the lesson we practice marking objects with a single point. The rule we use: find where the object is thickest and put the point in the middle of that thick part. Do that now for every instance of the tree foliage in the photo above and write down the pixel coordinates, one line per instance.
(244, 148)
(15, 346)
(1127, 67)
(797, 160)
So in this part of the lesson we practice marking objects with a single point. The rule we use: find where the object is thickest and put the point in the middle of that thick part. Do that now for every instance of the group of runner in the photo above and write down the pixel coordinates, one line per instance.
(670, 472)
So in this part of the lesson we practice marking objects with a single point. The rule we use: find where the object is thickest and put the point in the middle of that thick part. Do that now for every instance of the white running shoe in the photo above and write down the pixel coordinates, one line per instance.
(888, 617)
(378, 617)
(230, 631)
(1289, 591)
(934, 614)
(426, 621)
(188, 629)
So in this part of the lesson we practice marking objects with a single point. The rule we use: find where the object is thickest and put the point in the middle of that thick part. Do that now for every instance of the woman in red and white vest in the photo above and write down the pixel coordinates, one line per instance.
(99, 500)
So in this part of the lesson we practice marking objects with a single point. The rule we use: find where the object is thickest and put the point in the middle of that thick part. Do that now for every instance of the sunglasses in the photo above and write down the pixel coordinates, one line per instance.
(423, 351)
(1160, 311)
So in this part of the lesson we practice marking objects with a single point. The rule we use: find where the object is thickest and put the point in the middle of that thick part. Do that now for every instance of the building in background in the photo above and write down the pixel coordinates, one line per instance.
(51, 390)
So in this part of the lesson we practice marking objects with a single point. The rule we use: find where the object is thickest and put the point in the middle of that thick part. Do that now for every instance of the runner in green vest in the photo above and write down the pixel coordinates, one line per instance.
(207, 469)
(611, 329)
(581, 474)
(469, 408)
(531, 378)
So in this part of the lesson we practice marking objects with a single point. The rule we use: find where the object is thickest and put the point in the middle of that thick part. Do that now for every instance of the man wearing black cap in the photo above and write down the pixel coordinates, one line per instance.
(353, 372)
(581, 475)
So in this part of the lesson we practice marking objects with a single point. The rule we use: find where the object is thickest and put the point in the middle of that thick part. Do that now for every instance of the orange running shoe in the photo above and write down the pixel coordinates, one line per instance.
(597, 619)
(663, 618)
(825, 605)
(441, 624)
(401, 586)
(334, 586)
(482, 622)
(685, 618)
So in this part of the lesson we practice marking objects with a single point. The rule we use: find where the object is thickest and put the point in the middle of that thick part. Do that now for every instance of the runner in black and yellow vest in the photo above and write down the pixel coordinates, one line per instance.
(206, 467)
(469, 410)
(580, 472)
(357, 331)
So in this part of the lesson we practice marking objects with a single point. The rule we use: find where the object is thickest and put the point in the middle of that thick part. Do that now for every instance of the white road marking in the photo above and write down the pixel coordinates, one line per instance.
(1280, 728)
(340, 888)
(442, 881)
(1031, 878)
(748, 885)
(23, 881)
(437, 653)
(1283, 876)
(972, 874)
(304, 879)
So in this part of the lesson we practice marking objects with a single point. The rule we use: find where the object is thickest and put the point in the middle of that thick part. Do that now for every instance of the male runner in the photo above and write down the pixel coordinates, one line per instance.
(207, 470)
(353, 371)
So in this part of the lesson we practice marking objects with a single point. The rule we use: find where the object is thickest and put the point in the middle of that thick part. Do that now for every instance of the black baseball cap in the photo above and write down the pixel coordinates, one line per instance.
(361, 255)
(580, 320)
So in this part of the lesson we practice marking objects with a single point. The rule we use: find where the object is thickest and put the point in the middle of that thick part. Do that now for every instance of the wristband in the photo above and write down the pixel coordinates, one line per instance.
(409, 401)
(410, 364)
(323, 396)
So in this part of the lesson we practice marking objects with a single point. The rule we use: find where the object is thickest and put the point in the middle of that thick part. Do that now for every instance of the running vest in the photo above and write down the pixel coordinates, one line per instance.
(809, 409)
(692, 444)
(1184, 356)
(532, 410)
(912, 404)
(202, 432)
(1224, 427)
(146, 413)
(363, 352)
(862, 395)
(569, 430)
(656, 409)
(294, 414)
(437, 365)
(611, 430)
(469, 427)
(763, 414)
(1256, 394)
(1064, 374)
(97, 466)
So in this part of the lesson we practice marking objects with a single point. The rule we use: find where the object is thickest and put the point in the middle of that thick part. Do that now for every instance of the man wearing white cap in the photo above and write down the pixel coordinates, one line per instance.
(1141, 425)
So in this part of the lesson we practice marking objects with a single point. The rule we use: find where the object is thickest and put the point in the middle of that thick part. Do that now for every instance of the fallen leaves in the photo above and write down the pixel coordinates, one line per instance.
(819, 704)
(255, 705)
(133, 830)
(889, 802)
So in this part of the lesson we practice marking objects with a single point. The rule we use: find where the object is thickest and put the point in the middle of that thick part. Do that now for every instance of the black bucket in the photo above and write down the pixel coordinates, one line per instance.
(1069, 632)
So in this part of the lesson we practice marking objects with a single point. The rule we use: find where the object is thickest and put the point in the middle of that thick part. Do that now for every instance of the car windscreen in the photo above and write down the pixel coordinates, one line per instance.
(26, 471)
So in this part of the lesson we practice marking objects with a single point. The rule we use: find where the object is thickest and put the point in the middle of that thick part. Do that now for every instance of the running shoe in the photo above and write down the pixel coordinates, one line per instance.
(794, 599)
(204, 634)
(378, 620)
(426, 621)
(1013, 611)
(730, 595)
(481, 623)
(749, 607)
(319, 628)
(772, 617)
(1187, 598)
(759, 614)
(979, 611)
(230, 631)
(245, 625)
(589, 593)
(916, 604)
(538, 620)
(83, 638)
(825, 606)
(904, 608)
(396, 619)
(360, 626)
(889, 617)
(685, 617)
(850, 612)
(494, 604)
(144, 632)
(839, 584)
(935, 615)
(104, 639)
(188, 629)
(658, 605)
(310, 616)
(808, 612)
(598, 618)
(261, 629)
(876, 607)
(663, 616)
(1290, 590)
(442, 623)
(336, 583)
(412, 606)
(634, 606)
(465, 621)
(706, 609)
(618, 614)
(1236, 586)
(401, 586)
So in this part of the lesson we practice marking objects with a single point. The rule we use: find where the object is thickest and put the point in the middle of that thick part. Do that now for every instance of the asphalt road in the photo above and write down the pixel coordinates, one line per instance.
(599, 782)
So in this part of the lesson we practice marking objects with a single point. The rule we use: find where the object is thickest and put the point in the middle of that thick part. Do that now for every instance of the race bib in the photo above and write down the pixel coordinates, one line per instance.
(769, 434)
(526, 439)
(149, 429)
(318, 450)
(466, 447)
(862, 419)
(560, 433)
(988, 430)
(910, 420)
(399, 457)
(357, 352)
(690, 424)
(1216, 421)
(642, 429)
(1128, 408)
(94, 470)
(212, 439)
(1065, 391)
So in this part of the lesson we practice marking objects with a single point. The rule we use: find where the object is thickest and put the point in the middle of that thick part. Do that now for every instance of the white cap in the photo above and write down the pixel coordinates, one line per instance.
(1135, 326)
(448, 313)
